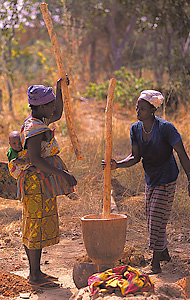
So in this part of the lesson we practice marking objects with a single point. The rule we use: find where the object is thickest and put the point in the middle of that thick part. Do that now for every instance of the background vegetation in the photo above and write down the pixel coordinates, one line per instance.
(97, 38)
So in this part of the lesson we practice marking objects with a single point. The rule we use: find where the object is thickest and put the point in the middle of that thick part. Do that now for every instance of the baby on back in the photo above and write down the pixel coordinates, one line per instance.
(18, 160)
(15, 146)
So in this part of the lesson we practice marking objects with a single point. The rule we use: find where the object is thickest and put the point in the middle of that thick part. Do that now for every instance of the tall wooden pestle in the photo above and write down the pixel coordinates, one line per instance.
(108, 150)
(62, 74)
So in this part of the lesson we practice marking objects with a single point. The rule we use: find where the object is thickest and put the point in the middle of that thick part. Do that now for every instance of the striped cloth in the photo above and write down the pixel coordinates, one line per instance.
(54, 185)
(159, 202)
(32, 127)
(125, 279)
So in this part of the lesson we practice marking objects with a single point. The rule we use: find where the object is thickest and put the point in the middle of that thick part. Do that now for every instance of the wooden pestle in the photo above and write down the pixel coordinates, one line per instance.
(62, 74)
(108, 150)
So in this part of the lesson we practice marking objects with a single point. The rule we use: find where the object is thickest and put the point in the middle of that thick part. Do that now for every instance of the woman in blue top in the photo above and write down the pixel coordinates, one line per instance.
(153, 139)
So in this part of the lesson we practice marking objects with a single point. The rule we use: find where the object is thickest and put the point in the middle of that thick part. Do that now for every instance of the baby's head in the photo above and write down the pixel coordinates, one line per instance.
(14, 140)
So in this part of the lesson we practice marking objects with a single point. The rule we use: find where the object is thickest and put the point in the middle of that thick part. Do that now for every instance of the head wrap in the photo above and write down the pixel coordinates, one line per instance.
(153, 97)
(39, 94)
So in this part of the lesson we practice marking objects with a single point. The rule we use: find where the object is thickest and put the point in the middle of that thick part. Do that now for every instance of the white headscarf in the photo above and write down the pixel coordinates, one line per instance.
(153, 97)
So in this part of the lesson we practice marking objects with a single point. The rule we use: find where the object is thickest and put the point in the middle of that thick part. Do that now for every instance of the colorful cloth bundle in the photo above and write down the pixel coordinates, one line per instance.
(126, 279)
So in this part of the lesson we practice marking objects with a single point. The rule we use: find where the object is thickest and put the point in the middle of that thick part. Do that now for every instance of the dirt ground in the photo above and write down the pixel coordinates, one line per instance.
(59, 260)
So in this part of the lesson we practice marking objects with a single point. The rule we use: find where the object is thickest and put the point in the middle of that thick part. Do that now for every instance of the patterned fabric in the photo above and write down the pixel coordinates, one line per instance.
(32, 127)
(126, 279)
(159, 202)
(16, 168)
(54, 185)
(8, 184)
(153, 97)
(40, 218)
(38, 190)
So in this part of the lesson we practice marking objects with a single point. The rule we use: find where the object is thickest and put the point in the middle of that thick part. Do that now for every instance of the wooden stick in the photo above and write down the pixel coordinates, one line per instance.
(108, 150)
(62, 74)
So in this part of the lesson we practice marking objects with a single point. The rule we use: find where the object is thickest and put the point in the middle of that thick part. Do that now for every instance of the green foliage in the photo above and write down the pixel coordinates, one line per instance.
(98, 91)
(127, 88)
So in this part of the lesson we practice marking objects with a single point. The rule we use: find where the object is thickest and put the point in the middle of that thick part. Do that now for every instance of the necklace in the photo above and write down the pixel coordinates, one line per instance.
(148, 132)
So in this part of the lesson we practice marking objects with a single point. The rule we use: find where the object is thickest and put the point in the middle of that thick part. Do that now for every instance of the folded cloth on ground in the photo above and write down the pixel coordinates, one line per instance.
(126, 279)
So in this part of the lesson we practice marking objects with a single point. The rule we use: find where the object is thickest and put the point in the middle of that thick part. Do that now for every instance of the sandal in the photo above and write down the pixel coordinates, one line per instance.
(50, 277)
(44, 285)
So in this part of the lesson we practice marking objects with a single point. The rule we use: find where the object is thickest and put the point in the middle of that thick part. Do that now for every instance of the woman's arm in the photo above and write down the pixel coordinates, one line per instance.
(184, 160)
(58, 103)
(127, 162)
(34, 150)
(132, 159)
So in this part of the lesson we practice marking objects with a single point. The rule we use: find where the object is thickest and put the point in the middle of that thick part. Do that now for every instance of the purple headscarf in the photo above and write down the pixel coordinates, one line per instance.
(39, 94)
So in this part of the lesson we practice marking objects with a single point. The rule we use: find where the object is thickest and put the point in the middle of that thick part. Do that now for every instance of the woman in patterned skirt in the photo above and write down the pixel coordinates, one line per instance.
(153, 139)
(38, 188)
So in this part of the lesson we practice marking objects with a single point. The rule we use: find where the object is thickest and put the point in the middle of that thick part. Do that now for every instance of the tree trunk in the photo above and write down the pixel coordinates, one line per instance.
(93, 61)
(10, 95)
(169, 49)
(117, 47)
(157, 63)
(1, 101)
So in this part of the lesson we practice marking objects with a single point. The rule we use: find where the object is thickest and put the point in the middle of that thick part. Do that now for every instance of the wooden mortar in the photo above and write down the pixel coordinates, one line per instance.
(104, 237)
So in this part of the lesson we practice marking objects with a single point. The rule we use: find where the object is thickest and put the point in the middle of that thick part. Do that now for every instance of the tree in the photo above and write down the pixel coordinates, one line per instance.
(118, 44)
(167, 25)
(14, 18)
(11, 20)
(111, 21)
(98, 37)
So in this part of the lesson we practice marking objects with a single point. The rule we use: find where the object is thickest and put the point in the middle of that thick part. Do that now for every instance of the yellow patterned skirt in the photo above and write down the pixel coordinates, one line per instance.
(40, 217)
